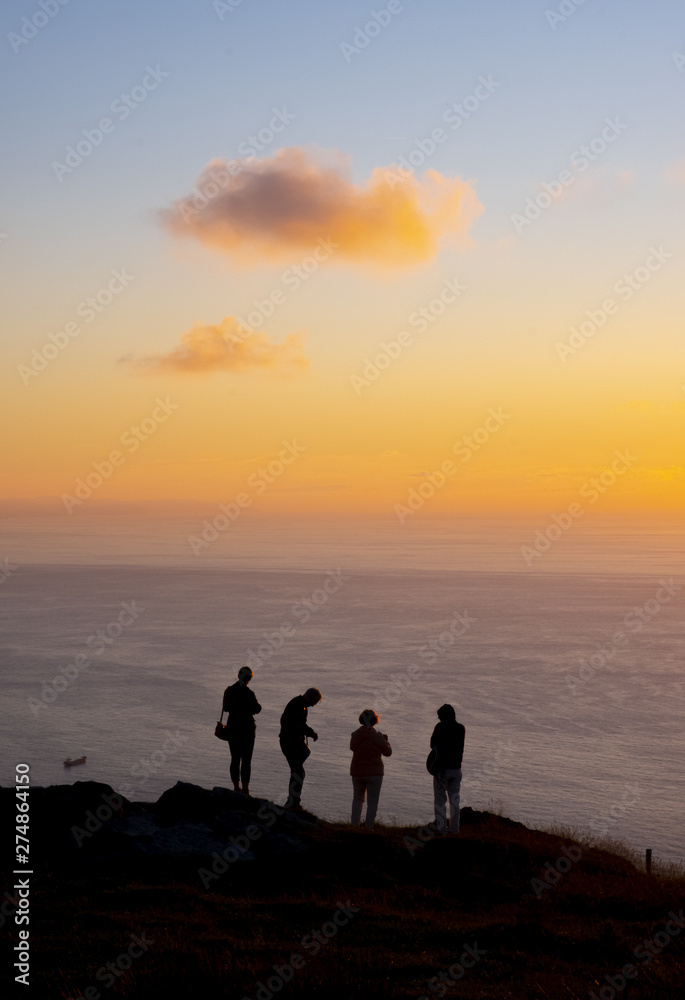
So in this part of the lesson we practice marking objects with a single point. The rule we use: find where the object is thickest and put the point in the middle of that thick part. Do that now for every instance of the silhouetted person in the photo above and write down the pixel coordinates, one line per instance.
(294, 729)
(448, 740)
(368, 748)
(242, 706)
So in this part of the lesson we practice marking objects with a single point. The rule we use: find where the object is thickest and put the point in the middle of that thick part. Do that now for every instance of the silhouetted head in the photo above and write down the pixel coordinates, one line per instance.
(447, 714)
(245, 675)
(312, 696)
(368, 717)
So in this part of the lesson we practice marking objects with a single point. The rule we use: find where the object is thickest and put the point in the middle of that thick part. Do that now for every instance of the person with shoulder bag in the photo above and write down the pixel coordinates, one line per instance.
(444, 763)
(242, 706)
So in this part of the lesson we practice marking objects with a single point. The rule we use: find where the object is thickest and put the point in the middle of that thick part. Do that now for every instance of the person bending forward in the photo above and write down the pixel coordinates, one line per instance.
(294, 729)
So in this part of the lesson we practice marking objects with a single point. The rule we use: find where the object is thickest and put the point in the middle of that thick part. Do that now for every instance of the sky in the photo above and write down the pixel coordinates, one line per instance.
(341, 258)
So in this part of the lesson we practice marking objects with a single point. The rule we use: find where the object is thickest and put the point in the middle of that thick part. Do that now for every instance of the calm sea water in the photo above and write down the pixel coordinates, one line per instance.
(383, 634)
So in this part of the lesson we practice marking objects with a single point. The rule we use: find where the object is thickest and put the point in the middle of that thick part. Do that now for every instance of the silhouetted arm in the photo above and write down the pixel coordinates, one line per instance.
(226, 702)
(460, 740)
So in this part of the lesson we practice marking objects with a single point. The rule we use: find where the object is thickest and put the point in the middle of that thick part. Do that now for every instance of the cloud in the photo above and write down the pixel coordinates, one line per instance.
(266, 211)
(644, 406)
(636, 405)
(675, 174)
(667, 474)
(226, 347)
(600, 187)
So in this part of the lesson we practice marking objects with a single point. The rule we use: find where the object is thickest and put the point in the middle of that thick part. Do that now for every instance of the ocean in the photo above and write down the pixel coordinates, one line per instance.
(566, 674)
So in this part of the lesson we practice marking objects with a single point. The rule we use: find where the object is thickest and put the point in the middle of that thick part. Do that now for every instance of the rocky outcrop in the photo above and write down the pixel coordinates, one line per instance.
(89, 820)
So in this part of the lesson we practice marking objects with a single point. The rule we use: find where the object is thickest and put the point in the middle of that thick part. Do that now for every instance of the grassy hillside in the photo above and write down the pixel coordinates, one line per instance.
(499, 912)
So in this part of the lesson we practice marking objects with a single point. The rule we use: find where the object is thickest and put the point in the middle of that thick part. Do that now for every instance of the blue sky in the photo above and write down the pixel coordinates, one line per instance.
(225, 75)
(557, 86)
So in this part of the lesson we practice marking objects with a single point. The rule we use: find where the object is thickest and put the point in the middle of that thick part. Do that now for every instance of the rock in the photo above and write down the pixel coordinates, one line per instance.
(90, 821)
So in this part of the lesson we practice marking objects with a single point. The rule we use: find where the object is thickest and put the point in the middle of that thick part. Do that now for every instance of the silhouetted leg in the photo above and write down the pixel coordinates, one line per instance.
(440, 798)
(373, 786)
(295, 753)
(296, 782)
(234, 745)
(246, 762)
(358, 796)
(453, 781)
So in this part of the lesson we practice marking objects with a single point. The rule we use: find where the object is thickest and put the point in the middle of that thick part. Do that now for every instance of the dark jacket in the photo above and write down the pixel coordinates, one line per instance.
(294, 726)
(368, 746)
(241, 704)
(448, 740)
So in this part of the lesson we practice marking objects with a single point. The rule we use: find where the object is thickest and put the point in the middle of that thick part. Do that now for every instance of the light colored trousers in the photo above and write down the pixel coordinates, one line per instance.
(362, 787)
(446, 785)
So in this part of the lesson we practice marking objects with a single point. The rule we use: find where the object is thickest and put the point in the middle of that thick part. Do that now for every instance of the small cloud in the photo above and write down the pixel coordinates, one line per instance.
(314, 488)
(637, 405)
(625, 180)
(600, 186)
(505, 242)
(675, 174)
(227, 347)
(561, 472)
(648, 406)
(265, 211)
(667, 473)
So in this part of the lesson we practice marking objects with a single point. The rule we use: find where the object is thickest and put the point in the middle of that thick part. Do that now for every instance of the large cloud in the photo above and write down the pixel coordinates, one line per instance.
(226, 347)
(270, 210)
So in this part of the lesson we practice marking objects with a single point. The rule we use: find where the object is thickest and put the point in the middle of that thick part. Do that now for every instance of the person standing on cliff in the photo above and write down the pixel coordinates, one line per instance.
(448, 741)
(294, 729)
(368, 748)
(242, 706)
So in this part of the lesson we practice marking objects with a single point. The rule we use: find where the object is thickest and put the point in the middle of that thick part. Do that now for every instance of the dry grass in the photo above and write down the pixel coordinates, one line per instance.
(418, 908)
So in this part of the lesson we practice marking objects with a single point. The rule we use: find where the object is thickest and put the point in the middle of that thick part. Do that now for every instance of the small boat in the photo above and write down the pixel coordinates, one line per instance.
(77, 760)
